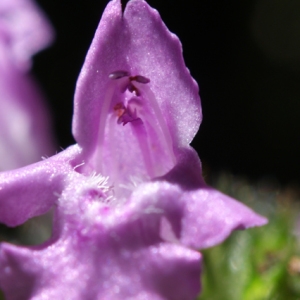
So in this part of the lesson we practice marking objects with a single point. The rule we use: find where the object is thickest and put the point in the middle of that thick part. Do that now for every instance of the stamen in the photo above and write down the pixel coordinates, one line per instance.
(118, 74)
(120, 109)
(140, 79)
(125, 114)
(129, 86)
(133, 89)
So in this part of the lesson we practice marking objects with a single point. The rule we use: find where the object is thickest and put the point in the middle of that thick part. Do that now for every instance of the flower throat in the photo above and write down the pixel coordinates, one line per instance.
(134, 141)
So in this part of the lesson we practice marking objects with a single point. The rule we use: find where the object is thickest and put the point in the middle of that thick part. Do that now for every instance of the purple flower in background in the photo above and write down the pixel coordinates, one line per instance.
(131, 207)
(25, 133)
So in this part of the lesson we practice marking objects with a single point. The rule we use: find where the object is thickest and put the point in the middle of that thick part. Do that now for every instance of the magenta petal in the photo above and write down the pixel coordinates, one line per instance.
(128, 43)
(210, 217)
(198, 218)
(202, 216)
(32, 190)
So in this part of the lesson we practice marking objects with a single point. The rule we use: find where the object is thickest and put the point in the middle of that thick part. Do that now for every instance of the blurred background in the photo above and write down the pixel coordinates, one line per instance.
(245, 55)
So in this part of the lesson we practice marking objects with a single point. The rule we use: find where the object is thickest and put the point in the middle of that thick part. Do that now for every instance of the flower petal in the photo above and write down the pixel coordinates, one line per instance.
(210, 217)
(212, 214)
(32, 190)
(156, 53)
(139, 43)
(196, 219)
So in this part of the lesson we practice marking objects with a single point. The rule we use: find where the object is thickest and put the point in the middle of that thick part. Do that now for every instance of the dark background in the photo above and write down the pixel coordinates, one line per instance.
(245, 56)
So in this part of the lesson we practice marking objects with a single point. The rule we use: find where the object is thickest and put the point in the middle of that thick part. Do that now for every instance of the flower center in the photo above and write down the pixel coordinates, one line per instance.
(133, 137)
(128, 113)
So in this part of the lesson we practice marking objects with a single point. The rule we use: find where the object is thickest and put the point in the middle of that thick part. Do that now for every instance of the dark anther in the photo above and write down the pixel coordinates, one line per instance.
(140, 79)
(118, 74)
(133, 89)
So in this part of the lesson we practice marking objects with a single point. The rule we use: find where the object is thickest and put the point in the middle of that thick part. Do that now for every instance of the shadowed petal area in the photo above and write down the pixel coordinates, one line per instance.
(32, 190)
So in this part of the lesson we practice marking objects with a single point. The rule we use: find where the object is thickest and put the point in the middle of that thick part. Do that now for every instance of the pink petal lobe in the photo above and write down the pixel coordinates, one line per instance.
(32, 190)
(211, 216)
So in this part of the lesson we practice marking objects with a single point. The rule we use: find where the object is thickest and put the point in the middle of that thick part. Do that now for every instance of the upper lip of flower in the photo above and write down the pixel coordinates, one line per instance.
(132, 76)
(126, 43)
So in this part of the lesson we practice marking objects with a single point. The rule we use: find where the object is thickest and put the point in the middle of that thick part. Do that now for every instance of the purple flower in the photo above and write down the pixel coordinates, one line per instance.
(131, 207)
(25, 133)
